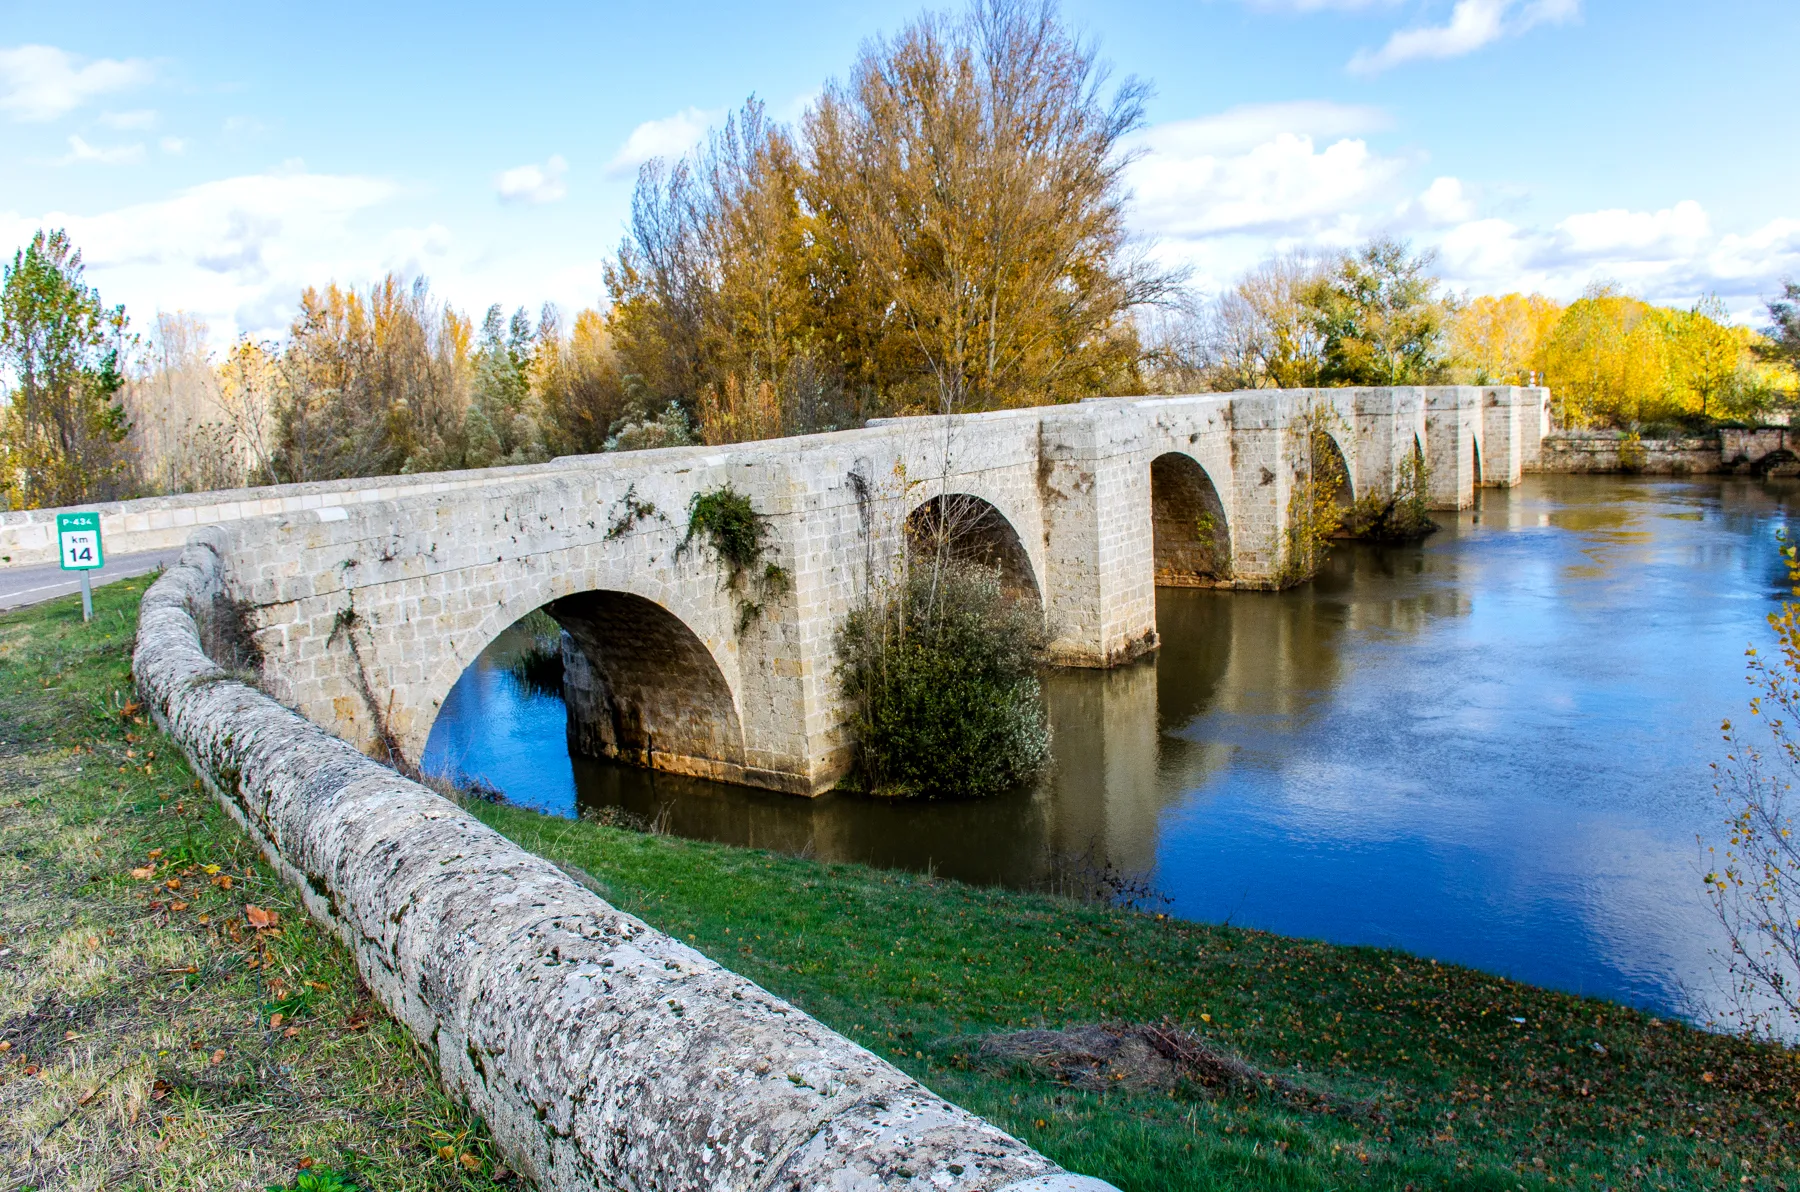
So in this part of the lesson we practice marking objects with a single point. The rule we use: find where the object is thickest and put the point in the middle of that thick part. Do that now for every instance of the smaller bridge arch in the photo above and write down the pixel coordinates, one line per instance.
(1335, 465)
(1191, 536)
(972, 530)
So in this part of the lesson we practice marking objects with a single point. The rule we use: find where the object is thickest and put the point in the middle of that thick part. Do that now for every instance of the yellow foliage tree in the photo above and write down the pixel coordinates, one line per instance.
(1608, 361)
(1497, 340)
(1614, 360)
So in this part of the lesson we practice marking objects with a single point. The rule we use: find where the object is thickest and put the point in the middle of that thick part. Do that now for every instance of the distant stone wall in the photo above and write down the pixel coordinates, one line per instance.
(601, 1053)
(1599, 451)
(1749, 451)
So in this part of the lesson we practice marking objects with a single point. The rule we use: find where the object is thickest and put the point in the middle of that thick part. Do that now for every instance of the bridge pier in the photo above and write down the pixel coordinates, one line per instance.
(1100, 599)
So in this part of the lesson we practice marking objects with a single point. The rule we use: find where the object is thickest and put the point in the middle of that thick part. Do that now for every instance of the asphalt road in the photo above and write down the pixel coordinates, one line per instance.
(20, 586)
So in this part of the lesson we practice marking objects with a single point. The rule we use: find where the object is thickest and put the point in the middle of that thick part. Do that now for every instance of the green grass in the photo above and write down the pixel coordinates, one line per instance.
(1582, 1094)
(1467, 1098)
(137, 1009)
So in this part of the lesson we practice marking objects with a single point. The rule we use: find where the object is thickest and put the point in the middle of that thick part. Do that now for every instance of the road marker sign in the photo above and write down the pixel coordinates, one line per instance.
(78, 540)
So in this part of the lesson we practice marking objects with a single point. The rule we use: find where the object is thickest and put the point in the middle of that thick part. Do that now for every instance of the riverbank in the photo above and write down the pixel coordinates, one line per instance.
(169, 1016)
(1391, 1072)
(1431, 1075)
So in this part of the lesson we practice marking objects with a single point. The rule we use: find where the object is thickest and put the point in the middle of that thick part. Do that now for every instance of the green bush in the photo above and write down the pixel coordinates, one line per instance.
(942, 675)
(1401, 516)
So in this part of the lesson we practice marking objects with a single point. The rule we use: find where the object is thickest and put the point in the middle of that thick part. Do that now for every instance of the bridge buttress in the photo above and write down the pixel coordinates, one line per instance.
(1099, 579)
(1453, 415)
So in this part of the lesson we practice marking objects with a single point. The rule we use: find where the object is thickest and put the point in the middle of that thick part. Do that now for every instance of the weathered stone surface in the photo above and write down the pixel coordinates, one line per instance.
(601, 1053)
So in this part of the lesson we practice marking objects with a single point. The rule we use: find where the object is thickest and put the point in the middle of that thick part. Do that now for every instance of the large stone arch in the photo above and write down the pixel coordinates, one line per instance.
(1190, 533)
(974, 530)
(642, 688)
(594, 607)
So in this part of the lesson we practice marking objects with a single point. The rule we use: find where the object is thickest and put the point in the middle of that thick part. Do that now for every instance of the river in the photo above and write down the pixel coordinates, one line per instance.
(1493, 748)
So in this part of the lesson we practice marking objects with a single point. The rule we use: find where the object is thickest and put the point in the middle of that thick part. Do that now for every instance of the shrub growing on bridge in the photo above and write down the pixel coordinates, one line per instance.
(942, 675)
(1400, 516)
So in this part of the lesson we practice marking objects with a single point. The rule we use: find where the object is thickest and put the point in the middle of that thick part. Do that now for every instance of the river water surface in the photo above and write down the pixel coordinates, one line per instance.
(1491, 749)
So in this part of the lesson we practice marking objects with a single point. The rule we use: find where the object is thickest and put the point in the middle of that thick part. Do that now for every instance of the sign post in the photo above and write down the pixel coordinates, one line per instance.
(78, 536)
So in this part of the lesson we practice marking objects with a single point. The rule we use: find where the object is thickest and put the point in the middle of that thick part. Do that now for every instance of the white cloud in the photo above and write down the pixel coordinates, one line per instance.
(670, 136)
(242, 130)
(533, 183)
(1446, 201)
(1668, 234)
(173, 145)
(138, 119)
(113, 155)
(1670, 256)
(236, 251)
(1248, 125)
(42, 82)
(1225, 191)
(1257, 169)
(1472, 25)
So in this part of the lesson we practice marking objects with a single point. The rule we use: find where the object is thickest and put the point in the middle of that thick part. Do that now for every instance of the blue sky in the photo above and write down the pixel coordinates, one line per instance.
(215, 158)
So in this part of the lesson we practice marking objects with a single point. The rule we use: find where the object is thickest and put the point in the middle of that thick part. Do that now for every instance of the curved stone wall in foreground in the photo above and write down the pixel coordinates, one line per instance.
(602, 1053)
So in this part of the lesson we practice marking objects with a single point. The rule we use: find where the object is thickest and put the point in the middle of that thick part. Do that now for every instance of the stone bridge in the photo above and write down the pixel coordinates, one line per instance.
(366, 614)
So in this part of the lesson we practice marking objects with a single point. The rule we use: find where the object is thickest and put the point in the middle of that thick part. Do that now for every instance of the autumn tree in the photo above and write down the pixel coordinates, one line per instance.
(1710, 358)
(1380, 318)
(945, 232)
(371, 384)
(1497, 340)
(968, 178)
(1615, 360)
(63, 427)
(576, 379)
(1262, 333)
(1606, 361)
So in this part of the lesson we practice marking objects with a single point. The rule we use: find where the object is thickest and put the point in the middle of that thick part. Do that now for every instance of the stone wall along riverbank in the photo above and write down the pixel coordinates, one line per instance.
(1730, 451)
(601, 1052)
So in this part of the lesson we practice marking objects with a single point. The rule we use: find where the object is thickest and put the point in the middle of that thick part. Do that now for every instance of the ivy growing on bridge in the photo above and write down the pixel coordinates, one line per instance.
(739, 536)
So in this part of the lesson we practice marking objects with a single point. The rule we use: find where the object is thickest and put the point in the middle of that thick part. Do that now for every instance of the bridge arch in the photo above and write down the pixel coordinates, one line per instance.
(641, 683)
(1336, 464)
(1190, 534)
(642, 688)
(973, 530)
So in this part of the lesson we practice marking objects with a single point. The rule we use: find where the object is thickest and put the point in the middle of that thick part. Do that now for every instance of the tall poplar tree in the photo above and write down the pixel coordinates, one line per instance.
(63, 428)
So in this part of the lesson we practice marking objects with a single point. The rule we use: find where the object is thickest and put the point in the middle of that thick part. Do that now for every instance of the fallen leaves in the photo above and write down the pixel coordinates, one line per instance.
(259, 918)
(144, 871)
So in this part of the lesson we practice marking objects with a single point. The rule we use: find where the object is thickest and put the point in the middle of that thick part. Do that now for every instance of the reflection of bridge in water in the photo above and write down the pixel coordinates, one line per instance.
(367, 614)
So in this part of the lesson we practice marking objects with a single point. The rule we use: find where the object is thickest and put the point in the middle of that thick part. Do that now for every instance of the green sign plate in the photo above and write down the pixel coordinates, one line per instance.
(78, 539)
